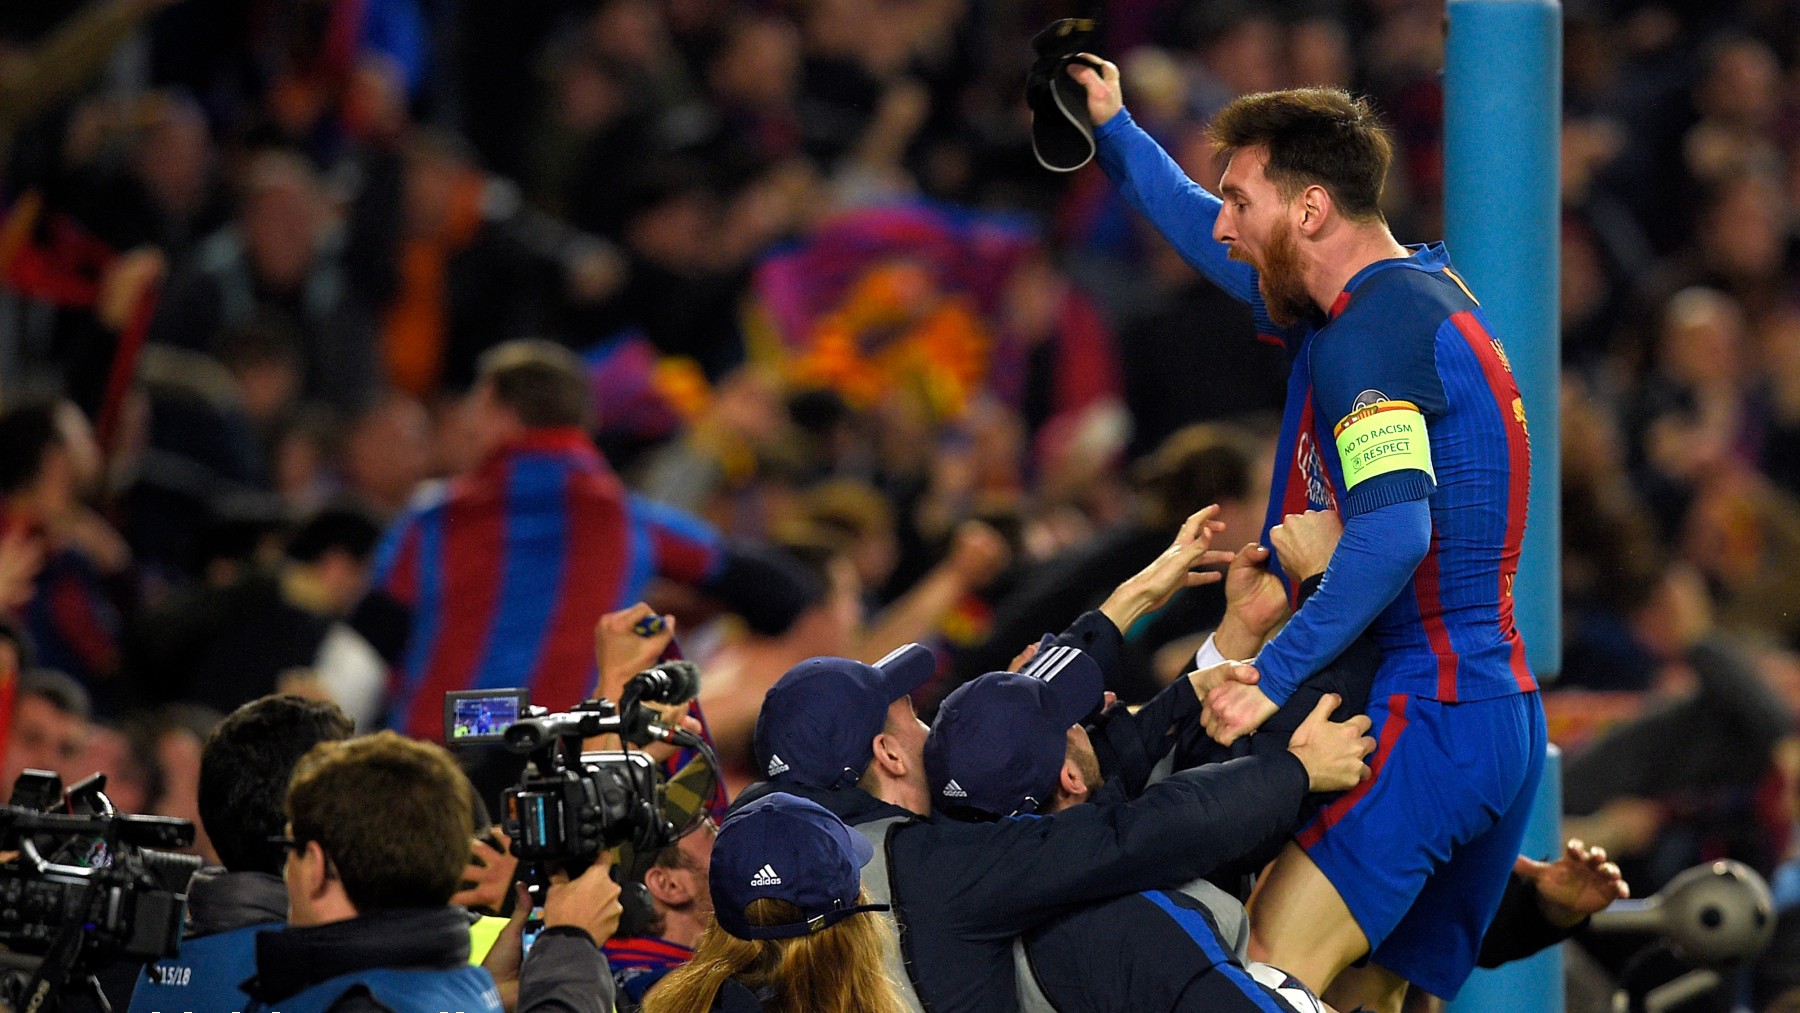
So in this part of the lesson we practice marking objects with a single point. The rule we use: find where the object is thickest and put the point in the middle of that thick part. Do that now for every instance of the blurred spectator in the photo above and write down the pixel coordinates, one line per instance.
(282, 258)
(225, 646)
(48, 464)
(49, 727)
(387, 452)
(495, 579)
(1194, 467)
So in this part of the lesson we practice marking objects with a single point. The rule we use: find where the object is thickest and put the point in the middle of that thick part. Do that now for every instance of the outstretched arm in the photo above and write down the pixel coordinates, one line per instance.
(1151, 182)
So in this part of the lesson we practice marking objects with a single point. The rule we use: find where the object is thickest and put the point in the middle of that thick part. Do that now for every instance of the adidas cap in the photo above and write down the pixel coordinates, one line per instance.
(783, 847)
(999, 742)
(819, 721)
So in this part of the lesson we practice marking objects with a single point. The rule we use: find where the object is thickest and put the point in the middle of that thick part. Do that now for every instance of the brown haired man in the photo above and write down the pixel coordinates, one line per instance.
(1402, 415)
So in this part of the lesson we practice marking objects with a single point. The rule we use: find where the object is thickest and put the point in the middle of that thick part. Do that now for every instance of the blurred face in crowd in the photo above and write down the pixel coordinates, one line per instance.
(1257, 224)
(43, 738)
(1741, 232)
(281, 220)
(760, 67)
(175, 158)
(389, 451)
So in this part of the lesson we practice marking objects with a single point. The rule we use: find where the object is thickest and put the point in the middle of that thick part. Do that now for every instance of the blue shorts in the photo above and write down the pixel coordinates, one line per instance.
(1421, 851)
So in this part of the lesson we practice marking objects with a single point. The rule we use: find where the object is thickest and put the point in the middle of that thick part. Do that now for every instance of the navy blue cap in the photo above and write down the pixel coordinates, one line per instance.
(818, 723)
(783, 847)
(999, 742)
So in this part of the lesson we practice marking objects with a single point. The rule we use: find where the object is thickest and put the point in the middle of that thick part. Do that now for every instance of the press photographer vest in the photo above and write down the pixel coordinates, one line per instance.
(203, 977)
(458, 990)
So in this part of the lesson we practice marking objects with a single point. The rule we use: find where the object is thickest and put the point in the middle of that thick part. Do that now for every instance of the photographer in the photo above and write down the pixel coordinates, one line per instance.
(245, 768)
(370, 923)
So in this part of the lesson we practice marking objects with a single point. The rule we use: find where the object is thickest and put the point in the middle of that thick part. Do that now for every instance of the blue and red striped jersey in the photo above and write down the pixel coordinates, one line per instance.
(1409, 333)
(1402, 331)
(505, 570)
(638, 963)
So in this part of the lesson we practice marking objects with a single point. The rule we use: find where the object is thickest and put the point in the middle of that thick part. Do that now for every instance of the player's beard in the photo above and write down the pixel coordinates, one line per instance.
(1281, 278)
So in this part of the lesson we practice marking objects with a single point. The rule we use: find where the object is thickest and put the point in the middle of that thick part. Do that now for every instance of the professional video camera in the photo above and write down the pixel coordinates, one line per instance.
(572, 804)
(84, 889)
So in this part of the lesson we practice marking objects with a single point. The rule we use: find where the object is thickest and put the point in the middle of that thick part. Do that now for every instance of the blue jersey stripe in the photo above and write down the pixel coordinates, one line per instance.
(536, 547)
(1202, 933)
(640, 555)
(427, 613)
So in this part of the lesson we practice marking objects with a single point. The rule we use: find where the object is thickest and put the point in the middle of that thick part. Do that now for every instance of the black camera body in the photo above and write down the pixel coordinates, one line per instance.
(88, 887)
(570, 815)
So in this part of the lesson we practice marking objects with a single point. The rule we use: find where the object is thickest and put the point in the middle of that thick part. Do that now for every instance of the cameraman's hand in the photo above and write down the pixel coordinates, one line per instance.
(488, 874)
(507, 955)
(589, 902)
(1104, 96)
(620, 652)
(1333, 752)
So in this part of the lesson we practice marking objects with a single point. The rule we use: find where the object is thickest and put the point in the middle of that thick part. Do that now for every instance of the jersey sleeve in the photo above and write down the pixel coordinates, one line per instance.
(1379, 391)
(685, 548)
(1183, 211)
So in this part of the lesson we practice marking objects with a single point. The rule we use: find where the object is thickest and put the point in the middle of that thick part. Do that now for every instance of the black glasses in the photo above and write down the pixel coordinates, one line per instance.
(288, 843)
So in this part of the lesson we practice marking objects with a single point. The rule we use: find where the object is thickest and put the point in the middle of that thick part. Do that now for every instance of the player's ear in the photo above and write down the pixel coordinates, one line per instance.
(1314, 204)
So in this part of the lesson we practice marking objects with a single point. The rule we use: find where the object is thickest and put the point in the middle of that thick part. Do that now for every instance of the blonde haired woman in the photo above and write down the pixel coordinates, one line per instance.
(786, 936)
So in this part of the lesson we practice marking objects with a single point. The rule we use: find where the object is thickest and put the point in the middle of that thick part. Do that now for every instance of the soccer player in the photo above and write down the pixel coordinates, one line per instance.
(1402, 414)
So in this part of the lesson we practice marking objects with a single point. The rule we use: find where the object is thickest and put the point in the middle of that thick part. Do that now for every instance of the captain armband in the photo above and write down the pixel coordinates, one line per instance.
(1383, 437)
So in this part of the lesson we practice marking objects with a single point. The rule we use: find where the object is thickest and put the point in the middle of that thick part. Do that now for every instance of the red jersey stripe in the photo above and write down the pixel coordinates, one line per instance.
(1332, 814)
(1498, 373)
(474, 546)
(1431, 616)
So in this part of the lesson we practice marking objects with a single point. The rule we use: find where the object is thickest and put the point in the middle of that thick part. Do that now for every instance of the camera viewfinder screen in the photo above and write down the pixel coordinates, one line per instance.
(480, 717)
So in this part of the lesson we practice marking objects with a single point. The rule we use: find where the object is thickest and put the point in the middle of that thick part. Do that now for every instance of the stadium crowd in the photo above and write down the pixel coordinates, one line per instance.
(764, 314)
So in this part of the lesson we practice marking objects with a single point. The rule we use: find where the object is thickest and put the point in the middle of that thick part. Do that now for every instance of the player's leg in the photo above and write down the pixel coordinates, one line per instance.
(1300, 923)
(1435, 945)
(1369, 987)
(1352, 872)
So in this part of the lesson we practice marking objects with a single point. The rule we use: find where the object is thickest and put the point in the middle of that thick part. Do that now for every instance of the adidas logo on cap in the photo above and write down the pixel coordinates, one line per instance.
(954, 790)
(765, 876)
(776, 767)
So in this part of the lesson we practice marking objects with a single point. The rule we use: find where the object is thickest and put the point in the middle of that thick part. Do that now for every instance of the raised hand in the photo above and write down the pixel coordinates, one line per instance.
(1152, 587)
(1104, 96)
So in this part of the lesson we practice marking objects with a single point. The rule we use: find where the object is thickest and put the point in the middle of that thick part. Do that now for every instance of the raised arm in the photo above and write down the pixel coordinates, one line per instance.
(1151, 182)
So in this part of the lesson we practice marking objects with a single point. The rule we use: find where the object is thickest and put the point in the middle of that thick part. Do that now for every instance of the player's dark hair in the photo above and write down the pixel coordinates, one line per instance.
(245, 768)
(541, 381)
(1314, 136)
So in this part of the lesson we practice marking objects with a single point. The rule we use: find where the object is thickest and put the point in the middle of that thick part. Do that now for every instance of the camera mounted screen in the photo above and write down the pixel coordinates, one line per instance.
(475, 717)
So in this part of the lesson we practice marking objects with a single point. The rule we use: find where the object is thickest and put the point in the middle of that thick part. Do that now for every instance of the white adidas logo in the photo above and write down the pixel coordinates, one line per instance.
(954, 790)
(776, 766)
(765, 876)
